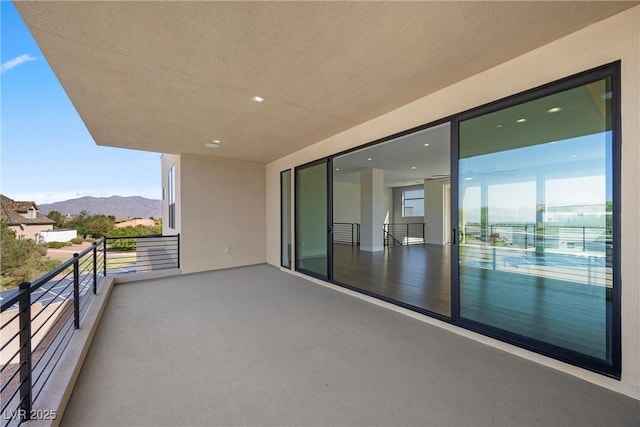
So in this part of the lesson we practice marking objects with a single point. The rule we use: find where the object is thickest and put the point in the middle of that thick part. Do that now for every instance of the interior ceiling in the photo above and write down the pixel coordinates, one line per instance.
(172, 76)
(405, 160)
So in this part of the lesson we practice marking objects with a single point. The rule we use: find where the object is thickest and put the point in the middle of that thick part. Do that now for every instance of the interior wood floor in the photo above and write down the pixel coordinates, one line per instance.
(567, 314)
(419, 275)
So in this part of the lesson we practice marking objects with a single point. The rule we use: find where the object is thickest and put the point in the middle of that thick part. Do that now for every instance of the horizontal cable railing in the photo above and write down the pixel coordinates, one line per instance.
(38, 320)
(403, 234)
(346, 233)
(528, 236)
(588, 268)
(141, 253)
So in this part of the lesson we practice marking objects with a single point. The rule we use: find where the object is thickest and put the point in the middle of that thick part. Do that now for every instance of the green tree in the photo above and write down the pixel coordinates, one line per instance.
(21, 260)
(58, 218)
(80, 223)
(123, 236)
(100, 225)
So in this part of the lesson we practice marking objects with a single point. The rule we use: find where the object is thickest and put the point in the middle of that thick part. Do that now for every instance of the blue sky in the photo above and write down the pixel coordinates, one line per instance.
(47, 154)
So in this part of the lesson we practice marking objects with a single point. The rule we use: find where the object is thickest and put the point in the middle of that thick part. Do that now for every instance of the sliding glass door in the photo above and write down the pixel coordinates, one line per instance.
(285, 218)
(536, 219)
(391, 227)
(312, 224)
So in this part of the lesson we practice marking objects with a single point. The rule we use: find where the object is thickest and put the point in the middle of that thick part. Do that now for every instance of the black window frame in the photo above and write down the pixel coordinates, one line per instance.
(282, 225)
(612, 71)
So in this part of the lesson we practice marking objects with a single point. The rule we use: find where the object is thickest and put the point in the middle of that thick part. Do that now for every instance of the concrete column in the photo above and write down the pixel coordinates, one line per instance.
(434, 211)
(372, 209)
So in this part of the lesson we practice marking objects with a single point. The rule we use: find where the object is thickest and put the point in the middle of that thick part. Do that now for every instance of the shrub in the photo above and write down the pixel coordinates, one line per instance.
(56, 245)
(90, 240)
(77, 240)
(67, 243)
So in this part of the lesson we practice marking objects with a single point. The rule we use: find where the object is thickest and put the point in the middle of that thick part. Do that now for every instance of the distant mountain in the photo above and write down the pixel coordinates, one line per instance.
(121, 207)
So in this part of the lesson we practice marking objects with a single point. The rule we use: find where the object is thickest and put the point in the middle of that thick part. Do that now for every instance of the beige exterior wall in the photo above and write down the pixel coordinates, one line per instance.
(616, 38)
(221, 212)
(30, 230)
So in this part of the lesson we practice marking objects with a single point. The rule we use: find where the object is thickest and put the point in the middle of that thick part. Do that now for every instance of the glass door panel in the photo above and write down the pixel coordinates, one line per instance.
(311, 219)
(391, 219)
(535, 214)
(285, 215)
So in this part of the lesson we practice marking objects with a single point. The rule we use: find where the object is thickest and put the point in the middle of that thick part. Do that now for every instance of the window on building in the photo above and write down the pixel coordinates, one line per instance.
(413, 202)
(172, 196)
(31, 213)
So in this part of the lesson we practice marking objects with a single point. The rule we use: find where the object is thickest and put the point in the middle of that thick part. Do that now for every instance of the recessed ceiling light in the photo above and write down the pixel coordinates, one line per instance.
(573, 156)
(554, 110)
(369, 158)
(413, 167)
(521, 120)
(216, 141)
(426, 145)
(468, 179)
(499, 126)
(212, 144)
(258, 98)
(337, 169)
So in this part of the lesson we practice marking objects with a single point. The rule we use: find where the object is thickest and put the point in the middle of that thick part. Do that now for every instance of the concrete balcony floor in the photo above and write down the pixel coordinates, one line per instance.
(256, 346)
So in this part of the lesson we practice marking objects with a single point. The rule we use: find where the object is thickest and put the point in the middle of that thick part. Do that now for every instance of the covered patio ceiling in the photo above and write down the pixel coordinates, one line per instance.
(173, 76)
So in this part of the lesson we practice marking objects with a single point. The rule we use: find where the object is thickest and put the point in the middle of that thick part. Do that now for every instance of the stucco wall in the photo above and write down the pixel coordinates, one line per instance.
(616, 38)
(30, 231)
(221, 219)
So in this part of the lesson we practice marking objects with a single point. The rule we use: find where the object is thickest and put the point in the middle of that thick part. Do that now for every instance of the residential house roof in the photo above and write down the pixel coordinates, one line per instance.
(14, 212)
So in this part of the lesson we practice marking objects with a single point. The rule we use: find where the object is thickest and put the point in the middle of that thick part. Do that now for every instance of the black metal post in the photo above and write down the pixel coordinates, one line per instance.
(178, 250)
(352, 225)
(24, 307)
(95, 269)
(525, 238)
(407, 238)
(76, 292)
(104, 256)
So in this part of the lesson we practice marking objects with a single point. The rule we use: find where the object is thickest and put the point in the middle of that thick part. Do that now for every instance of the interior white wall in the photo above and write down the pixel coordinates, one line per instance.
(222, 220)
(434, 212)
(346, 202)
(615, 38)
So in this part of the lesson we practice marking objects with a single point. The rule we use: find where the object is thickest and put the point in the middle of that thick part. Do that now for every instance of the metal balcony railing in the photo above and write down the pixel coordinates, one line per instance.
(346, 233)
(403, 234)
(37, 320)
(525, 236)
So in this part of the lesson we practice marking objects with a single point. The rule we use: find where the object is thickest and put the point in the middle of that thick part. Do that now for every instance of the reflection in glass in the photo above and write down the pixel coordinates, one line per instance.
(535, 206)
(311, 219)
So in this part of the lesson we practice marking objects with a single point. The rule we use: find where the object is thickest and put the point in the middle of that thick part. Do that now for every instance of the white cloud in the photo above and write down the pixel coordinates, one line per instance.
(13, 63)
